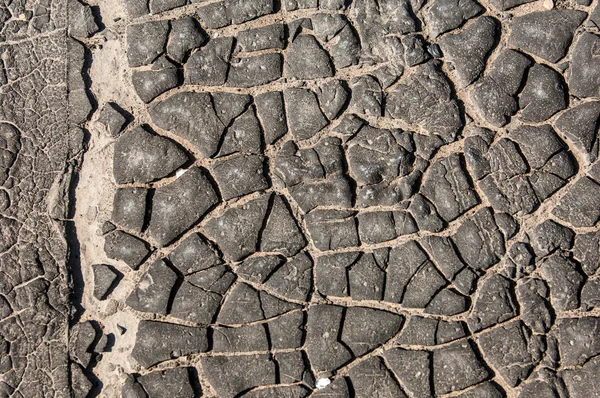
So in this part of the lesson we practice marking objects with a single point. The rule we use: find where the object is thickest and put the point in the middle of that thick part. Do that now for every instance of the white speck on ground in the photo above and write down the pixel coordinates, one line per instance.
(322, 383)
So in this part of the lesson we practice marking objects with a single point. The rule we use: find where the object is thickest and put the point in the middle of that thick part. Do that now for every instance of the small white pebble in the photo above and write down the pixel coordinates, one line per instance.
(322, 383)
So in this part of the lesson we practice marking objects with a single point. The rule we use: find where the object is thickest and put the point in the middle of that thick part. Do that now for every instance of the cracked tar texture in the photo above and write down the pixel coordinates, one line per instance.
(300, 198)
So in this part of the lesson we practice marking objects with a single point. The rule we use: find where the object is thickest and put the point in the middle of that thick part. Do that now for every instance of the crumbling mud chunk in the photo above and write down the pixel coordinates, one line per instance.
(179, 382)
(456, 367)
(145, 42)
(580, 125)
(112, 119)
(546, 34)
(153, 290)
(162, 77)
(494, 94)
(542, 96)
(514, 364)
(122, 246)
(307, 60)
(584, 78)
(198, 118)
(467, 50)
(237, 230)
(231, 375)
(582, 196)
(425, 99)
(240, 175)
(180, 204)
(141, 156)
(106, 278)
(198, 297)
(160, 341)
(445, 15)
(255, 70)
(129, 208)
(185, 36)
(372, 378)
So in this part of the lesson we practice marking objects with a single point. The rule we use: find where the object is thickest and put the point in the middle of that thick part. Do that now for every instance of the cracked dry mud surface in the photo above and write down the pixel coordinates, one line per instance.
(324, 198)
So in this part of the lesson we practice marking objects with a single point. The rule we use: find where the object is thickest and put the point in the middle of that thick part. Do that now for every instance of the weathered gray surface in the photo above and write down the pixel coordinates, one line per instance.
(316, 180)
(398, 197)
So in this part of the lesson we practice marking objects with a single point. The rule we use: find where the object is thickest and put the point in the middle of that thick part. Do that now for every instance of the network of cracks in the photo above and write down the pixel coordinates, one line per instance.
(329, 198)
